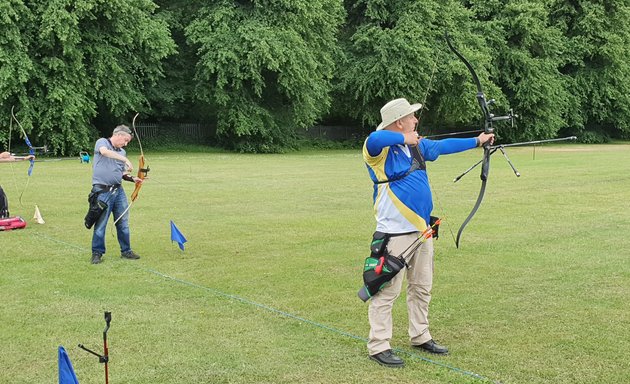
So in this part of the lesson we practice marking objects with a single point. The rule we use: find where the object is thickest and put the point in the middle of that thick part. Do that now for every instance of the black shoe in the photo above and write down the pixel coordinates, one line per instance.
(388, 359)
(131, 255)
(431, 346)
(96, 258)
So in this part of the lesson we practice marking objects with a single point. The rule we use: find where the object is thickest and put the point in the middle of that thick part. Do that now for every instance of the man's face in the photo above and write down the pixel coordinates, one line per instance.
(408, 123)
(121, 139)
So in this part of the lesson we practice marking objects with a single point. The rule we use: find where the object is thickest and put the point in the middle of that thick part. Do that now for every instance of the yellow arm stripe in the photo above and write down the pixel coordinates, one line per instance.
(377, 163)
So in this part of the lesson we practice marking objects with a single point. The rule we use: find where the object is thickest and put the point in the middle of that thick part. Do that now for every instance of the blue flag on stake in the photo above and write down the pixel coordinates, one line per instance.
(66, 372)
(177, 236)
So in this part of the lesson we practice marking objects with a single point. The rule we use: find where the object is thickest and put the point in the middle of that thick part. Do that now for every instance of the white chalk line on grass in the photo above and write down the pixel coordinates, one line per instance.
(277, 311)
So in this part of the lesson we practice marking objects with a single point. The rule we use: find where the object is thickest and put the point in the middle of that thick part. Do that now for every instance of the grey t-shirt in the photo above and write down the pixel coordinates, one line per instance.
(107, 171)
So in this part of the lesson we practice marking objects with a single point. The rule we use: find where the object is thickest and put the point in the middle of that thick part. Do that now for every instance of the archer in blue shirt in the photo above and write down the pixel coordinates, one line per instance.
(396, 161)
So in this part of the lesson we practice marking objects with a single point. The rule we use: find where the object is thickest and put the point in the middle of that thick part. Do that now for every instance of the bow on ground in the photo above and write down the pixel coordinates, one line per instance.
(489, 118)
(143, 171)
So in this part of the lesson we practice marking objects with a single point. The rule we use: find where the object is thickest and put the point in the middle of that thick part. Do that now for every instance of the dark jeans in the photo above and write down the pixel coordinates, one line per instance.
(116, 203)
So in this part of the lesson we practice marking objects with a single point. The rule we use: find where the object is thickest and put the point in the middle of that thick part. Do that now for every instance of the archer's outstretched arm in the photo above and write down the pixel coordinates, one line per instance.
(6, 157)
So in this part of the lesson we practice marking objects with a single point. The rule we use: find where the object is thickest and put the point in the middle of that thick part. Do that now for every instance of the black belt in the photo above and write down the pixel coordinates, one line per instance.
(103, 187)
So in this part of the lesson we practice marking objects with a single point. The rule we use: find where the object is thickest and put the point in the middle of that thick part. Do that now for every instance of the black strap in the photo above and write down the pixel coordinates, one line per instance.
(105, 186)
(417, 157)
(93, 196)
(417, 163)
(99, 188)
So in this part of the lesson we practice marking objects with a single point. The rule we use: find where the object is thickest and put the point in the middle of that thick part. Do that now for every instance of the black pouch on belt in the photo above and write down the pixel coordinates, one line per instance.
(95, 210)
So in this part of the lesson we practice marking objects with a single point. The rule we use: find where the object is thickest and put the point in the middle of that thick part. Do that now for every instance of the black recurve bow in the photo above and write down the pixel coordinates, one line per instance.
(489, 118)
(488, 148)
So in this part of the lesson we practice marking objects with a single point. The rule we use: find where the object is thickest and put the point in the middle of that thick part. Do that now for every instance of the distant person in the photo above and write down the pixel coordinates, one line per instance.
(111, 166)
(6, 157)
(395, 157)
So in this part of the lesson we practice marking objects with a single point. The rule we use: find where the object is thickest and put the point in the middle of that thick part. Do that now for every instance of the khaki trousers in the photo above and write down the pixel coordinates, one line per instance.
(419, 283)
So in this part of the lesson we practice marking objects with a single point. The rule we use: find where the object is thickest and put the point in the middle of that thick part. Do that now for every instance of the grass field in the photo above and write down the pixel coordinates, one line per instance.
(265, 291)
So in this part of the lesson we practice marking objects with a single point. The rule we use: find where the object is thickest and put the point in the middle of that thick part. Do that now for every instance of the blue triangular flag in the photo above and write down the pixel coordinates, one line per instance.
(177, 236)
(66, 372)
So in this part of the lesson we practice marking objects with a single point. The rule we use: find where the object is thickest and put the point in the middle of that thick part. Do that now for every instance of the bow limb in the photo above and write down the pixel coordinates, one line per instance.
(481, 97)
(143, 169)
(31, 149)
(488, 119)
(482, 192)
(133, 126)
(463, 59)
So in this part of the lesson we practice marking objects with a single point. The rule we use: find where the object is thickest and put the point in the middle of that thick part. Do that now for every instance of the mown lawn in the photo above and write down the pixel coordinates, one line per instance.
(265, 291)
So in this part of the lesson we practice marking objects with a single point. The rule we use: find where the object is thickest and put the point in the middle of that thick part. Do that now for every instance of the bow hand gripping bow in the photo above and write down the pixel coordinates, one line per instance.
(143, 171)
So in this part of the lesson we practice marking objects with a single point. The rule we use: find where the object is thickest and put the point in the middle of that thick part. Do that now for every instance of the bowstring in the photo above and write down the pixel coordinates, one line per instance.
(437, 200)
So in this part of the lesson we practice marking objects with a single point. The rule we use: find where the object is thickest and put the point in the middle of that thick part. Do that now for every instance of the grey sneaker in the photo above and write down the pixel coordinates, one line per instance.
(96, 258)
(131, 255)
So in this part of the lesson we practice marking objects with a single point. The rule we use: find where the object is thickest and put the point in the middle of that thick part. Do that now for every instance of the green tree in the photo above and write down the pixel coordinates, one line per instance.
(266, 65)
(596, 63)
(397, 49)
(15, 63)
(80, 56)
(173, 97)
(528, 51)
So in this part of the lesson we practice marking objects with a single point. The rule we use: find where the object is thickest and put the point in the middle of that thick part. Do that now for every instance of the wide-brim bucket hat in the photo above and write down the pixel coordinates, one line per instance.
(395, 110)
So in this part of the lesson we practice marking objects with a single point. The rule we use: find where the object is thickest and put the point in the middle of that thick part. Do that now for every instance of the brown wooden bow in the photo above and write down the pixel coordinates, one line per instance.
(143, 171)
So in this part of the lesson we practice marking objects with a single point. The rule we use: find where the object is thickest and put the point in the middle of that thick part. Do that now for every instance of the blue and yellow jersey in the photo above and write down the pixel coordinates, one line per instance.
(403, 202)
